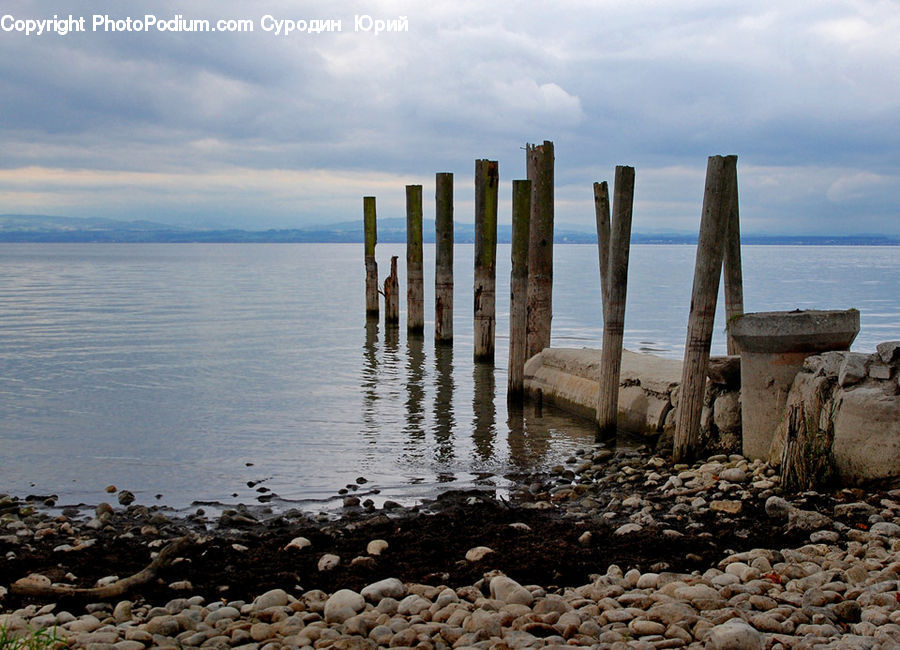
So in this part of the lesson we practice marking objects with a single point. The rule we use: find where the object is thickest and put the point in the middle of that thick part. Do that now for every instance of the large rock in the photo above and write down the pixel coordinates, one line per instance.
(735, 634)
(867, 434)
(343, 604)
(727, 412)
(509, 591)
(387, 588)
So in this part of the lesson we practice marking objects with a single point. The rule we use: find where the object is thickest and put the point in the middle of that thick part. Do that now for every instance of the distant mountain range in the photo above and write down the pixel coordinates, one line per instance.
(41, 228)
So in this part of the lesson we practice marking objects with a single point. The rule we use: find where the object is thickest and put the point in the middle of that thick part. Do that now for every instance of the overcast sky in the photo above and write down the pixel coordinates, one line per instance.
(258, 130)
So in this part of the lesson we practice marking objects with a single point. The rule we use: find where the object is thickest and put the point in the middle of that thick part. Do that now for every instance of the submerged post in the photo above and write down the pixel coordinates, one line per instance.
(392, 295)
(443, 271)
(518, 289)
(371, 264)
(614, 306)
(717, 204)
(601, 209)
(415, 278)
(487, 179)
(539, 164)
(734, 283)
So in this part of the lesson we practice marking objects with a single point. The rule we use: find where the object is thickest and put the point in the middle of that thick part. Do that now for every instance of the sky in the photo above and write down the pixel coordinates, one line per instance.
(261, 130)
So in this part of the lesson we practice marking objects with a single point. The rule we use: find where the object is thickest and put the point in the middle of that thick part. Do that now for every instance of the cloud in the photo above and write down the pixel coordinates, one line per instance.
(811, 90)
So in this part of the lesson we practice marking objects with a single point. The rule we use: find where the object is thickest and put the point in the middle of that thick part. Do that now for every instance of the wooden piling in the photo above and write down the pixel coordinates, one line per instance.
(614, 308)
(443, 272)
(539, 165)
(487, 179)
(415, 278)
(392, 295)
(518, 289)
(717, 205)
(734, 284)
(601, 209)
(371, 264)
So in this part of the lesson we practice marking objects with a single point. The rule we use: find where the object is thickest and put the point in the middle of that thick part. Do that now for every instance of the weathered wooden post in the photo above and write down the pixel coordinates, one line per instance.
(614, 309)
(540, 250)
(717, 205)
(443, 271)
(518, 289)
(601, 209)
(415, 278)
(487, 180)
(392, 295)
(371, 264)
(734, 284)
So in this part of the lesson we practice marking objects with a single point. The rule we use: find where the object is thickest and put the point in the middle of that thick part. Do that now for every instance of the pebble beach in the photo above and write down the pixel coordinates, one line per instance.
(805, 570)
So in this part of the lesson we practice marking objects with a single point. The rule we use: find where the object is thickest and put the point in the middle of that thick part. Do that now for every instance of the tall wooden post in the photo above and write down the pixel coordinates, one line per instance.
(392, 295)
(443, 272)
(717, 204)
(540, 250)
(487, 180)
(518, 289)
(734, 284)
(601, 209)
(371, 264)
(614, 309)
(415, 278)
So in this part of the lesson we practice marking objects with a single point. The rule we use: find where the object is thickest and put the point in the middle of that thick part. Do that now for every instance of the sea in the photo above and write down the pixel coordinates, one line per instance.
(211, 375)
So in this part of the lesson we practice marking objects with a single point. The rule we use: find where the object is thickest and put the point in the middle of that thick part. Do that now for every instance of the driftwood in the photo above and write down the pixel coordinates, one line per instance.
(115, 590)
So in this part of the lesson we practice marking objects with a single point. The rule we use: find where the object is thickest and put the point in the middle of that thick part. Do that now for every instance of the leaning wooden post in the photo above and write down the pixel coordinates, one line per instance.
(734, 284)
(540, 248)
(614, 309)
(371, 264)
(443, 272)
(415, 278)
(487, 179)
(392, 295)
(518, 289)
(717, 203)
(601, 208)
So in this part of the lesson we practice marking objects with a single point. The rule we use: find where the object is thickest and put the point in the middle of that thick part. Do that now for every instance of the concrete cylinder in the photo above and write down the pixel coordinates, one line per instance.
(773, 346)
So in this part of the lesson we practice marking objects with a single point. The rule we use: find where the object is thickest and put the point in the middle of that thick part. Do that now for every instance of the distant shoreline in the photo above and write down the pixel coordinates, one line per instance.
(463, 236)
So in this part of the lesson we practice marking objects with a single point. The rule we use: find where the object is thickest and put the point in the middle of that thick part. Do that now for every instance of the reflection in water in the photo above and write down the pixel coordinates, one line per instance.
(485, 412)
(392, 337)
(531, 431)
(415, 394)
(370, 380)
(444, 419)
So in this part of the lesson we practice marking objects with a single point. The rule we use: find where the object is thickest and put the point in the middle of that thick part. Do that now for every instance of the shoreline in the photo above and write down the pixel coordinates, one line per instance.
(622, 526)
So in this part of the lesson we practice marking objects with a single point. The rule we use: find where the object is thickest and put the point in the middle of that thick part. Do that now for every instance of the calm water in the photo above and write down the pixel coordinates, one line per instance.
(189, 370)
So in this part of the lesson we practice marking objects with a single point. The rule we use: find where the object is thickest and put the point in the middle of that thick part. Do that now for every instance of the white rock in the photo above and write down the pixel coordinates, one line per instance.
(272, 598)
(628, 529)
(328, 562)
(412, 605)
(508, 590)
(478, 553)
(376, 547)
(778, 508)
(343, 604)
(648, 581)
(733, 475)
(734, 634)
(886, 528)
(387, 588)
(298, 543)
